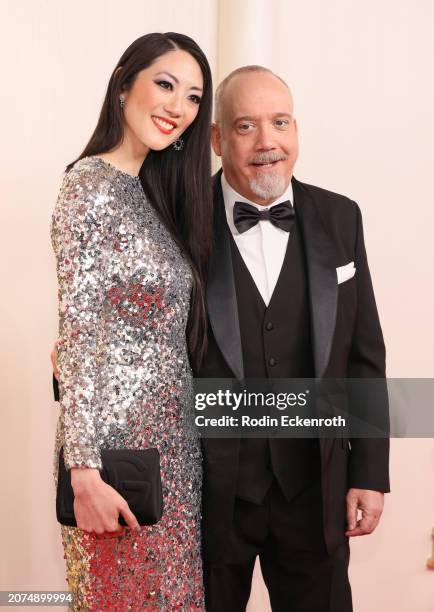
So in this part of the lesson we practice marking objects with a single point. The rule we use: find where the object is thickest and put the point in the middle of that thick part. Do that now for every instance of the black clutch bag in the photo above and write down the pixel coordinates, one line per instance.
(135, 474)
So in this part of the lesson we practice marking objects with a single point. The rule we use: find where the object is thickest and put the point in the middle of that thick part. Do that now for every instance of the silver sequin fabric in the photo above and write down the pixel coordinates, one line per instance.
(126, 382)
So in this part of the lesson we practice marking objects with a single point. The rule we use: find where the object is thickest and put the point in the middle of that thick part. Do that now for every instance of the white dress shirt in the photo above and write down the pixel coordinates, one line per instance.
(263, 246)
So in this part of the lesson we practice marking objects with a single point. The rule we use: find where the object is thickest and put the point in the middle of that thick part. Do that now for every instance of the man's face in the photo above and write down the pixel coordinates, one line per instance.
(257, 136)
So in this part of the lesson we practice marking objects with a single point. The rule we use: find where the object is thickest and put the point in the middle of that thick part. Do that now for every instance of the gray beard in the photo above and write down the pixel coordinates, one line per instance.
(269, 186)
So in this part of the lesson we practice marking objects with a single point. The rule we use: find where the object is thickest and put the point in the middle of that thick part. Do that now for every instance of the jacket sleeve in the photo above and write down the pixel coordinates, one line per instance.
(369, 457)
(79, 237)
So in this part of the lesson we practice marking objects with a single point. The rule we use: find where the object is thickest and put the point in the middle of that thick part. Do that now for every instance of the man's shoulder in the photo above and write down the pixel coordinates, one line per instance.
(336, 210)
(326, 197)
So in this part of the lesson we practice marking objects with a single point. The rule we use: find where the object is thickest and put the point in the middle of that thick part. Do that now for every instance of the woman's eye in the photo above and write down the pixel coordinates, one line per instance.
(195, 99)
(165, 84)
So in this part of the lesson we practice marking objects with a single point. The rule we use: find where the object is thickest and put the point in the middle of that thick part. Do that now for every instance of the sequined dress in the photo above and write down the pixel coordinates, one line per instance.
(125, 382)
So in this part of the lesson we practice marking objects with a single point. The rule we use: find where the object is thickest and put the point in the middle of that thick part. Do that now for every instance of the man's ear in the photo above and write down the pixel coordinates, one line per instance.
(215, 138)
(296, 125)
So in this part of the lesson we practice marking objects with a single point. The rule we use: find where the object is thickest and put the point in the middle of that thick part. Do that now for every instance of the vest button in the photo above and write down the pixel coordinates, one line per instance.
(269, 326)
(272, 362)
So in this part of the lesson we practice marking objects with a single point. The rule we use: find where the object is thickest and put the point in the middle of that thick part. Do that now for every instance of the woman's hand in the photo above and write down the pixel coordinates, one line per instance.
(97, 505)
(53, 357)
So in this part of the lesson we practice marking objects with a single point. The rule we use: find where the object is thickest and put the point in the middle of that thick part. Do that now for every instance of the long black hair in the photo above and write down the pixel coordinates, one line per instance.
(178, 183)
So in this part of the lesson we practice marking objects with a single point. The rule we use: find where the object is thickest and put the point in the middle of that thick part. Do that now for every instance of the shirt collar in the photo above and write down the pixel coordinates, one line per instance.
(230, 196)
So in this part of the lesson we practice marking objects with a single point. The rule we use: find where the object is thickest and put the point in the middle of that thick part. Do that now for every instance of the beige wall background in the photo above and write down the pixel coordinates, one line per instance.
(361, 76)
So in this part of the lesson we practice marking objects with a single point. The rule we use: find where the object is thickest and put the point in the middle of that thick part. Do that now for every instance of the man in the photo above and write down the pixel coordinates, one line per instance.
(277, 308)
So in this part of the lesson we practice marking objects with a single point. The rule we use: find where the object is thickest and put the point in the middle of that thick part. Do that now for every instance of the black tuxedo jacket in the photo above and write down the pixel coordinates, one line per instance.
(347, 342)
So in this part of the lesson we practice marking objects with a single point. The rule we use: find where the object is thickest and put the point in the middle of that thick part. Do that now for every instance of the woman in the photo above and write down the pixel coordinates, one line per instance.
(131, 232)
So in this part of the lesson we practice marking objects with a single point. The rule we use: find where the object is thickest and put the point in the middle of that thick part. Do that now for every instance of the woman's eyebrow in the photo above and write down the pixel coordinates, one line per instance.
(172, 76)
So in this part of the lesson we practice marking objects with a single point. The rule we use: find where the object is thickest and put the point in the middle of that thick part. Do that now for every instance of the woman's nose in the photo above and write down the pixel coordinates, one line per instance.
(174, 106)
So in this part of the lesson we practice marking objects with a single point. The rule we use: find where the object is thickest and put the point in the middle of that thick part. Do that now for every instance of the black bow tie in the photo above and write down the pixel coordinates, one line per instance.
(246, 216)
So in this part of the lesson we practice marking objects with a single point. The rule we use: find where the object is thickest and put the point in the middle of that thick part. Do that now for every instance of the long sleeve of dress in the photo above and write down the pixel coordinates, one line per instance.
(80, 236)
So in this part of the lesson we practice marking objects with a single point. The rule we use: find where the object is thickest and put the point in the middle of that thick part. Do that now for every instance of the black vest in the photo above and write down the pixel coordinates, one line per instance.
(276, 343)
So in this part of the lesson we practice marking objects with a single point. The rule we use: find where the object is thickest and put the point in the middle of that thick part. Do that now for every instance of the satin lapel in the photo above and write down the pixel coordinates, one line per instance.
(221, 295)
(321, 267)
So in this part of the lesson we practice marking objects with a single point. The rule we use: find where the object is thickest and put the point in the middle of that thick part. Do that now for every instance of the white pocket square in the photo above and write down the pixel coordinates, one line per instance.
(346, 272)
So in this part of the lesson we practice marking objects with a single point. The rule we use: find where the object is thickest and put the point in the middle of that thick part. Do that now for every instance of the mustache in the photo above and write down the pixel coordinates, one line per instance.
(267, 157)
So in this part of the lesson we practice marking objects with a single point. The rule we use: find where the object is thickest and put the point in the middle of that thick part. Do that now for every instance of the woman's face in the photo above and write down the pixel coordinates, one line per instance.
(163, 101)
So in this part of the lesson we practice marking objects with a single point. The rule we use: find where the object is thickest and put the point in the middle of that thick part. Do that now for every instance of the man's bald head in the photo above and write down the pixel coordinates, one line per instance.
(223, 88)
(255, 133)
